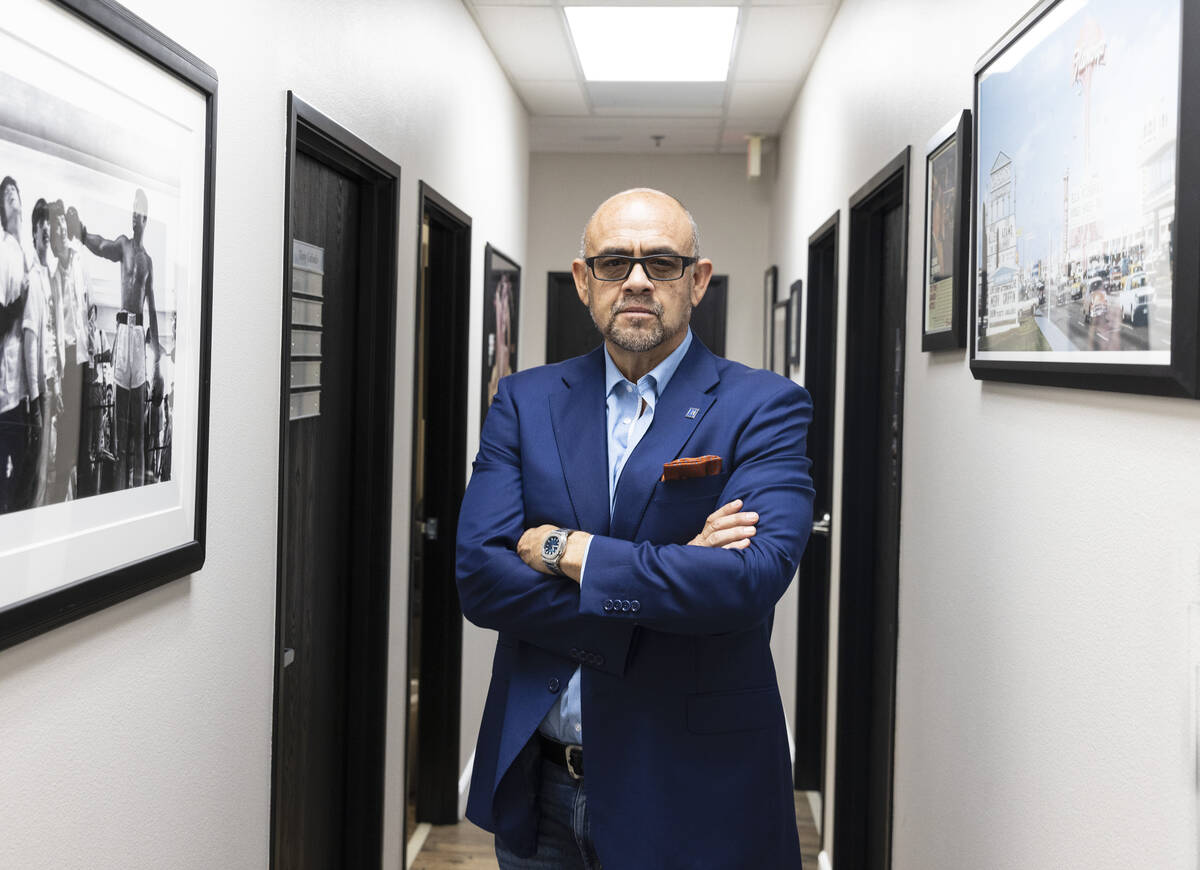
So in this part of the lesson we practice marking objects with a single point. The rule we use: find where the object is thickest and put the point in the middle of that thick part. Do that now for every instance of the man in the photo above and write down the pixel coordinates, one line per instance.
(42, 381)
(70, 304)
(14, 288)
(99, 354)
(129, 345)
(633, 717)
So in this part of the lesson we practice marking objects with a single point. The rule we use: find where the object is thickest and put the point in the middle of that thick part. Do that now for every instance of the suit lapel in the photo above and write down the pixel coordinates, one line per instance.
(578, 416)
(668, 434)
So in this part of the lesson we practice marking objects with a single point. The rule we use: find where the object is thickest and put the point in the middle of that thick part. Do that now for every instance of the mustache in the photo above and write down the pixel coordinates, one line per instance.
(654, 307)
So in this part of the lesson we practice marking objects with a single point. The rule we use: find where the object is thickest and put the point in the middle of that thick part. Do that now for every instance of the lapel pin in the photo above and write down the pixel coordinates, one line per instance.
(691, 413)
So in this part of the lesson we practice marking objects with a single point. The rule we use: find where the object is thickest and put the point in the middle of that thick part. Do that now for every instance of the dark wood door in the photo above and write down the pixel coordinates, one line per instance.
(439, 480)
(708, 318)
(870, 518)
(570, 331)
(317, 536)
(820, 378)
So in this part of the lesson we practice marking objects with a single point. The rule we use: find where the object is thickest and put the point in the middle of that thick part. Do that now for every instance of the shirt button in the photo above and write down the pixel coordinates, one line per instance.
(553, 684)
(578, 728)
(627, 421)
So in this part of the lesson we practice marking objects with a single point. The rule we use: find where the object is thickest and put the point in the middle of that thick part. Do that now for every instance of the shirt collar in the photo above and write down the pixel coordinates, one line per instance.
(662, 373)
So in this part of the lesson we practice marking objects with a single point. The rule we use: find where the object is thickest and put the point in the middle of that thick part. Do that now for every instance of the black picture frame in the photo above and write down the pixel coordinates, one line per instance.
(1175, 372)
(69, 597)
(781, 327)
(501, 290)
(948, 164)
(795, 300)
(770, 297)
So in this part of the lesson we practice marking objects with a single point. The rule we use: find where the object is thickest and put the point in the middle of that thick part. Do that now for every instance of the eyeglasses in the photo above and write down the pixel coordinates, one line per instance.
(658, 267)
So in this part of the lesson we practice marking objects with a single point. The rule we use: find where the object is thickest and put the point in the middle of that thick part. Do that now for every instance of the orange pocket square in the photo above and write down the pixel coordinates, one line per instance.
(692, 466)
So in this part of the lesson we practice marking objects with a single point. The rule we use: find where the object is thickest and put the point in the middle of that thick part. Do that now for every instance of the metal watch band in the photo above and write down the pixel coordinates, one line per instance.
(552, 562)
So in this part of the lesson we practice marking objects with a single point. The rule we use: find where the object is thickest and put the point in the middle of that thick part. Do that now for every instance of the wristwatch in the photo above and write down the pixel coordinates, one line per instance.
(553, 548)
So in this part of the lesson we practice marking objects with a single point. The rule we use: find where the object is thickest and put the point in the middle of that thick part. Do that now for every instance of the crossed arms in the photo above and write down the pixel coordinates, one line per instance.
(682, 589)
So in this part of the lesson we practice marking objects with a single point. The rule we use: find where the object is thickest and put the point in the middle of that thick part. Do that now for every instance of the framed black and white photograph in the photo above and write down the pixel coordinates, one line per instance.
(780, 329)
(947, 235)
(795, 300)
(106, 166)
(770, 297)
(501, 301)
(1087, 160)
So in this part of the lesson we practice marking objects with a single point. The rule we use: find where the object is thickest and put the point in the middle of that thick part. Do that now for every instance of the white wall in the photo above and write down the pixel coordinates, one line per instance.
(731, 211)
(1044, 710)
(141, 736)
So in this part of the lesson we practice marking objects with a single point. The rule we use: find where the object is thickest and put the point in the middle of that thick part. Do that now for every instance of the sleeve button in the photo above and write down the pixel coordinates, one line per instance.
(635, 606)
(625, 606)
(608, 605)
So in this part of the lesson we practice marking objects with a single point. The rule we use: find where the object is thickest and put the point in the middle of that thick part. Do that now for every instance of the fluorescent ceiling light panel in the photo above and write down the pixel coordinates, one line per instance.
(653, 43)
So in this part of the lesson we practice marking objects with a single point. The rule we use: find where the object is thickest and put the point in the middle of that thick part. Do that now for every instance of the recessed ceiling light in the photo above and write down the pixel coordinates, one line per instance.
(653, 43)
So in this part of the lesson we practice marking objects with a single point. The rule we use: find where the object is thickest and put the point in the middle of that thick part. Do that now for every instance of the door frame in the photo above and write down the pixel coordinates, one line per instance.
(444, 743)
(816, 692)
(860, 785)
(314, 134)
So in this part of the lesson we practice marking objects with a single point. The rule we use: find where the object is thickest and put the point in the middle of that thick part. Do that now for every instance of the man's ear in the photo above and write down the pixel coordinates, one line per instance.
(579, 272)
(701, 275)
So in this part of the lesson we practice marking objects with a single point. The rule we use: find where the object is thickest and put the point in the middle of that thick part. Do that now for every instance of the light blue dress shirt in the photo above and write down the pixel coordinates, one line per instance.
(626, 427)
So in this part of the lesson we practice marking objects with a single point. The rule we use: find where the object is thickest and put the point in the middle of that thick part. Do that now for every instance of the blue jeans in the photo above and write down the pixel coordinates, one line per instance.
(564, 838)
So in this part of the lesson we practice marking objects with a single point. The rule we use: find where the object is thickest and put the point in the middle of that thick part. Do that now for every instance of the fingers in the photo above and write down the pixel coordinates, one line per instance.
(730, 536)
(747, 518)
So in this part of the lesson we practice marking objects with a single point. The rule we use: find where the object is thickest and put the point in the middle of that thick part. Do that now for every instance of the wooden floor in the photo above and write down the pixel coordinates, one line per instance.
(466, 847)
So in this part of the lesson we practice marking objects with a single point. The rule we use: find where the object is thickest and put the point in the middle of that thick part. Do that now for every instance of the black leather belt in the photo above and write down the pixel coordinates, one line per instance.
(129, 317)
(569, 756)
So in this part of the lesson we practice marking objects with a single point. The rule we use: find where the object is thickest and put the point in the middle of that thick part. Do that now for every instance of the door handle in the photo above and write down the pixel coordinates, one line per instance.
(821, 526)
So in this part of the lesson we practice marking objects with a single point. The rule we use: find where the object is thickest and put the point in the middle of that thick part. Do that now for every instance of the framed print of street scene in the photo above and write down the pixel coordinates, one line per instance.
(501, 306)
(1086, 152)
(947, 235)
(106, 150)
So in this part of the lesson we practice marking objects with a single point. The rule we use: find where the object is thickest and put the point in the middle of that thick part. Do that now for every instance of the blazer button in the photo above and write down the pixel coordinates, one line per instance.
(553, 684)
(635, 606)
(608, 605)
(599, 659)
(574, 653)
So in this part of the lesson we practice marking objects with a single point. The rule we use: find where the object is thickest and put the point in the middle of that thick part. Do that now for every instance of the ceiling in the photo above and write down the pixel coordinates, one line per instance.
(774, 47)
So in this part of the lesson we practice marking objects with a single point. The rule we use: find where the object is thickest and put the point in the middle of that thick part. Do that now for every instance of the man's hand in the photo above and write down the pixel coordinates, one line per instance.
(727, 528)
(529, 548)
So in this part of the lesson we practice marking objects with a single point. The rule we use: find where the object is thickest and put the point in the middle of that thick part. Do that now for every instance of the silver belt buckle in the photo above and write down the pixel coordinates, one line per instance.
(571, 767)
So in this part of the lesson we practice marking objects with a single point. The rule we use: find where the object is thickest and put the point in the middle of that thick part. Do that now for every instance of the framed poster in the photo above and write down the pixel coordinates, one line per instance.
(501, 300)
(794, 303)
(106, 181)
(947, 233)
(780, 328)
(1086, 157)
(770, 297)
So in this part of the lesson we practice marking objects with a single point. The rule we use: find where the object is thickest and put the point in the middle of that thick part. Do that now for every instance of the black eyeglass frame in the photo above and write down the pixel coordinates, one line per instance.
(632, 261)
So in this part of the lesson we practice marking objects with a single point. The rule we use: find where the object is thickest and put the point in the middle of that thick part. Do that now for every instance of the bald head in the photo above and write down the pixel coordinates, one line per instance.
(630, 198)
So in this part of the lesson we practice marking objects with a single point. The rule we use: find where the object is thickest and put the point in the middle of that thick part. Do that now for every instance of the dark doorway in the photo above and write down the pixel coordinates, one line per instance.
(439, 480)
(820, 379)
(570, 331)
(335, 459)
(870, 519)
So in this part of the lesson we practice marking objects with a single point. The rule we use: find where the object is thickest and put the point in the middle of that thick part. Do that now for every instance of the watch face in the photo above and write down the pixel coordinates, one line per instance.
(551, 546)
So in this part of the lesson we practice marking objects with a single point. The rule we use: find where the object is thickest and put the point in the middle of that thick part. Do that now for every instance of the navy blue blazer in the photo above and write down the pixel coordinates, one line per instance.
(686, 750)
